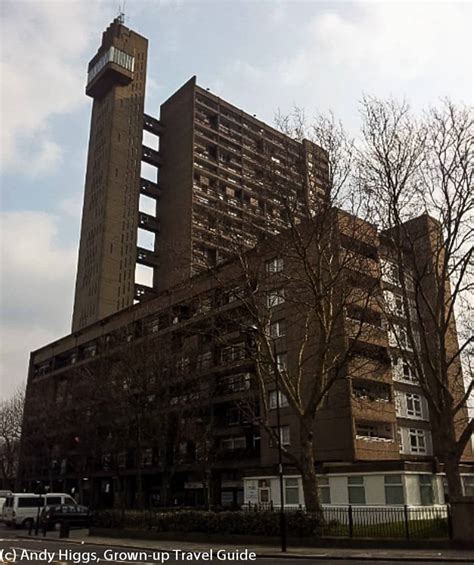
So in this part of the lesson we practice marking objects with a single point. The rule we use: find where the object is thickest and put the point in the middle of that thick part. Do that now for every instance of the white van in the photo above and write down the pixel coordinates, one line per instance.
(20, 509)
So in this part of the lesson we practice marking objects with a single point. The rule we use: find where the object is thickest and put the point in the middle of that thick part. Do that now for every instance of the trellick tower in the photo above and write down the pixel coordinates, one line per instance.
(105, 280)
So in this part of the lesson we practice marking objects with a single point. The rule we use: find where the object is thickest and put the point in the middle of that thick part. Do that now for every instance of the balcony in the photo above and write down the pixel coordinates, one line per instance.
(152, 125)
(151, 156)
(147, 257)
(372, 431)
(107, 69)
(149, 223)
(149, 188)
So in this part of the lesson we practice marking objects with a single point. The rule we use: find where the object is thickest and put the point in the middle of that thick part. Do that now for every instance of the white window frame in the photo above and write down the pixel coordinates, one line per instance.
(277, 329)
(292, 484)
(394, 483)
(403, 370)
(428, 485)
(272, 400)
(421, 447)
(281, 361)
(233, 443)
(275, 297)
(468, 485)
(275, 265)
(414, 405)
(390, 272)
(284, 436)
(356, 482)
(398, 337)
(324, 490)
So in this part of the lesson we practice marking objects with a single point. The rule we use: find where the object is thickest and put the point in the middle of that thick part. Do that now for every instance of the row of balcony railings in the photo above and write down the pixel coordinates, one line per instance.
(246, 131)
(243, 169)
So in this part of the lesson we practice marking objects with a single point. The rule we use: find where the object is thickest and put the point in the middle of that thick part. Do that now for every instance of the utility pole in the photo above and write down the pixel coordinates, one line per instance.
(280, 460)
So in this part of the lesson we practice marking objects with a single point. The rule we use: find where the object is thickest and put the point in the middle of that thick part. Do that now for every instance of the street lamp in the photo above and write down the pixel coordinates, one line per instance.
(280, 458)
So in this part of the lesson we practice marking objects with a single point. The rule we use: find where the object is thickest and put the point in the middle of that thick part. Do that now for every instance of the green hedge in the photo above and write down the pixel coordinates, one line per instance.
(244, 523)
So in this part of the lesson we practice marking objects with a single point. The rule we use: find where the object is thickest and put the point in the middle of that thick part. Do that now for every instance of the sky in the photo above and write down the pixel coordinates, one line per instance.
(264, 56)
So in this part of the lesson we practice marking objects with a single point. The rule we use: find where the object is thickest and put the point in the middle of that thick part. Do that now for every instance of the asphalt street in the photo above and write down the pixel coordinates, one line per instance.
(59, 552)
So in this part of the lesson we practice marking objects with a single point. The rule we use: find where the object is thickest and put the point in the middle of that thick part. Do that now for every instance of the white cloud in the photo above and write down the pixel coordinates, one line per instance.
(388, 39)
(72, 206)
(44, 46)
(418, 50)
(386, 46)
(36, 290)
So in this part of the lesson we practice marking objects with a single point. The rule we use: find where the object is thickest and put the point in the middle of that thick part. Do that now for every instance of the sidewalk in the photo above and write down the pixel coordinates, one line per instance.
(371, 555)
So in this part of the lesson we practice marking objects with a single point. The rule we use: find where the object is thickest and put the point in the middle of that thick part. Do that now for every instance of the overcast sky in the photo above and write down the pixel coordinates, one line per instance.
(261, 55)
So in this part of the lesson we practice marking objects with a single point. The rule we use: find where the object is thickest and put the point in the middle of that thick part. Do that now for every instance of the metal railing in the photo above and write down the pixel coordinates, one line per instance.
(408, 522)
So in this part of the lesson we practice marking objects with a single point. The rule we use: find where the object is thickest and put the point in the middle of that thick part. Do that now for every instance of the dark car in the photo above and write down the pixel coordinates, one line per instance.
(73, 515)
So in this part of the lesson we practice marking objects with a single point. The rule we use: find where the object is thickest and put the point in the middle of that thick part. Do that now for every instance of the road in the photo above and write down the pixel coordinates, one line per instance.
(59, 552)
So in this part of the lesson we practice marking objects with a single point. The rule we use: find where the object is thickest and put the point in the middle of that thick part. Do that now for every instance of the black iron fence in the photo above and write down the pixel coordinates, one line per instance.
(409, 522)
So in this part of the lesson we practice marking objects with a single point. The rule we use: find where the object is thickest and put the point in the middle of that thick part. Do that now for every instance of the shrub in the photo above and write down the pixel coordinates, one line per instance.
(186, 521)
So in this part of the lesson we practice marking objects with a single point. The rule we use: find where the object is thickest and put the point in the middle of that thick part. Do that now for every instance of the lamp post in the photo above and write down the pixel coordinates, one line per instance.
(280, 459)
(41, 491)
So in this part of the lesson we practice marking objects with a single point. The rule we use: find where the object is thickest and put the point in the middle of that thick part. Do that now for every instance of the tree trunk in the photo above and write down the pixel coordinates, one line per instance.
(308, 475)
(453, 477)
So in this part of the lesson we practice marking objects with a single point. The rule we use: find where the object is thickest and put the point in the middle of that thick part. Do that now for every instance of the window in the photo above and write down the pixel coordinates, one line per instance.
(30, 502)
(292, 491)
(356, 490)
(398, 309)
(275, 265)
(232, 443)
(390, 272)
(282, 361)
(232, 416)
(324, 490)
(414, 406)
(236, 383)
(233, 353)
(410, 405)
(53, 500)
(468, 484)
(147, 457)
(398, 337)
(426, 489)
(275, 298)
(403, 370)
(272, 399)
(284, 436)
(277, 329)
(417, 441)
(408, 371)
(204, 360)
(394, 489)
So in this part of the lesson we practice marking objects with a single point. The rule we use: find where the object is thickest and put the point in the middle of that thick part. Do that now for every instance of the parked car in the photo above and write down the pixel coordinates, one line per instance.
(21, 509)
(74, 515)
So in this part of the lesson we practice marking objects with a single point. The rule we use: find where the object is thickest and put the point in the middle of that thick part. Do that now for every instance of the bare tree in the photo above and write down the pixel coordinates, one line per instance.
(411, 167)
(11, 417)
(319, 275)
